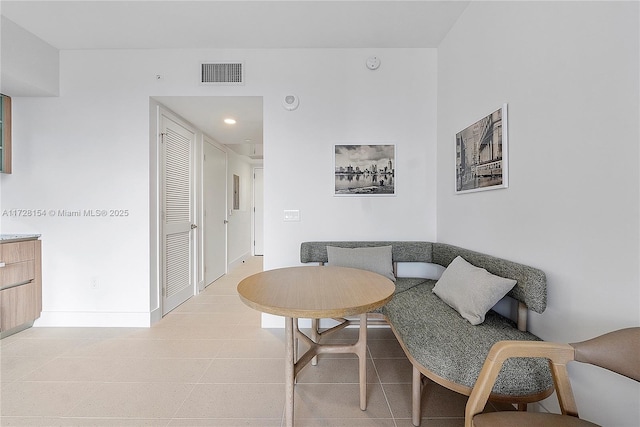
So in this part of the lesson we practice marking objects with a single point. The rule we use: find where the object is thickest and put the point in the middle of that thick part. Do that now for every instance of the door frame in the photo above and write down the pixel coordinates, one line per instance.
(253, 212)
(156, 110)
(202, 282)
(155, 258)
(187, 292)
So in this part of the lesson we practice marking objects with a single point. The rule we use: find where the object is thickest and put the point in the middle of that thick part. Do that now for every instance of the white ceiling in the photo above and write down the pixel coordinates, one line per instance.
(208, 114)
(142, 24)
(138, 24)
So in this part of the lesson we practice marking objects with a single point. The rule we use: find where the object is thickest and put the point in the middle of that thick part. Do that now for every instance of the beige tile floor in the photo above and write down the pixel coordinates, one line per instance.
(208, 363)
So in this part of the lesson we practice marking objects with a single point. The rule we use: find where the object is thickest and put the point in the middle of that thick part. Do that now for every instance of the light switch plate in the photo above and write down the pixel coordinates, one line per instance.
(291, 215)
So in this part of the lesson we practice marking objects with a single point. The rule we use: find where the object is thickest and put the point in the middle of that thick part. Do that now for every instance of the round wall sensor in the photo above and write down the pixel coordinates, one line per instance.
(290, 102)
(373, 62)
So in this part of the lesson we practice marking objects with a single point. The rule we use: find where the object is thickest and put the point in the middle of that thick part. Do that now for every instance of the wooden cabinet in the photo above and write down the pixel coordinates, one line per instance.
(20, 284)
(5, 134)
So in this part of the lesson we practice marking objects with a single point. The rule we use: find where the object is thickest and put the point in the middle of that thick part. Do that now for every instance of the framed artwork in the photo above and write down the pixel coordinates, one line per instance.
(364, 170)
(236, 192)
(481, 154)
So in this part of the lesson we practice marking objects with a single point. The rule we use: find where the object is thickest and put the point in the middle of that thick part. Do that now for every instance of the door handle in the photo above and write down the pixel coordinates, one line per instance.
(226, 222)
(193, 226)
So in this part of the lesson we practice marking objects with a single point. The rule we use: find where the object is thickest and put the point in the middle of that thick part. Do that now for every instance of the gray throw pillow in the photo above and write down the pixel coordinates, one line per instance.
(376, 259)
(471, 290)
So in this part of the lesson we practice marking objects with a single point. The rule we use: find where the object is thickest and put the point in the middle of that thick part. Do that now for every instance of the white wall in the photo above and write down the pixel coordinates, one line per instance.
(342, 101)
(89, 148)
(239, 226)
(30, 66)
(569, 72)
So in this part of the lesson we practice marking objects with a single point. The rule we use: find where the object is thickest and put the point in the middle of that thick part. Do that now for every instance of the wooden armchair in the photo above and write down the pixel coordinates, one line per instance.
(617, 351)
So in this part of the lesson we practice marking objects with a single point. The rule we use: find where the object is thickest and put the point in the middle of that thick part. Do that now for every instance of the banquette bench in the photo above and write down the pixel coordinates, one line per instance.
(441, 344)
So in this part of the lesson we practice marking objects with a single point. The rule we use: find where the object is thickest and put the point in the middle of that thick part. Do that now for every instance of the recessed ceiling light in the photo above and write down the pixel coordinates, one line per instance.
(230, 121)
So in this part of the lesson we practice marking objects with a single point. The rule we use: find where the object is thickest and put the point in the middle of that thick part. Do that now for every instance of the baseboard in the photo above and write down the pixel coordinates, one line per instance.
(538, 407)
(15, 330)
(93, 319)
(271, 321)
(156, 316)
(238, 261)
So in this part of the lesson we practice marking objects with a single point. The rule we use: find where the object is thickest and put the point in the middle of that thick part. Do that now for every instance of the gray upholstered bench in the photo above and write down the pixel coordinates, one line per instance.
(441, 344)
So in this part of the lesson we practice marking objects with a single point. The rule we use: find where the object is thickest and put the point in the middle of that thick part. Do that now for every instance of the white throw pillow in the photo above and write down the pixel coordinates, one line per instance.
(471, 290)
(377, 259)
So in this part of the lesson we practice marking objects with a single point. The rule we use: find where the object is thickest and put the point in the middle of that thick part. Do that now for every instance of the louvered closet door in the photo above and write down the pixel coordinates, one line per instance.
(177, 214)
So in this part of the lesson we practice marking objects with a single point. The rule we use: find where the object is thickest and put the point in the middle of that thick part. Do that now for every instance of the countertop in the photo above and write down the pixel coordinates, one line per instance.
(6, 238)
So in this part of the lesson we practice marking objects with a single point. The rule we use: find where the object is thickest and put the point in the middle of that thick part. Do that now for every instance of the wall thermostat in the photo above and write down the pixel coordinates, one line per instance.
(290, 102)
(373, 62)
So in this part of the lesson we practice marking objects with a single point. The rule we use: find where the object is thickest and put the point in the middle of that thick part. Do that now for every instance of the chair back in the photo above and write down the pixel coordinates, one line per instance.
(617, 351)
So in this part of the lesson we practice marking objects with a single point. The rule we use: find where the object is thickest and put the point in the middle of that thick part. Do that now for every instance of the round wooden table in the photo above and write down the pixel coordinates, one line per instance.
(317, 293)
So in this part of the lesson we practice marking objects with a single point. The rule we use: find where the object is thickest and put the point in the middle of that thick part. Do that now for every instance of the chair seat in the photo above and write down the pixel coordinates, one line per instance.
(528, 419)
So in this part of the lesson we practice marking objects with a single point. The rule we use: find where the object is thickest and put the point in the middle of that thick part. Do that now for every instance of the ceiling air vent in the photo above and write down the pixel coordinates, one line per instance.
(222, 73)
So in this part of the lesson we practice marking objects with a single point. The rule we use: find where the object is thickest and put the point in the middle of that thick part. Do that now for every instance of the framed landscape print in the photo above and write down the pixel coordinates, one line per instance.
(481, 154)
(364, 170)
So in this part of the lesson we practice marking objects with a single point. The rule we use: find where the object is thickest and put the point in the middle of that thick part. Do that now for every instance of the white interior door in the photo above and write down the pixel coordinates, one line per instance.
(215, 212)
(178, 278)
(258, 209)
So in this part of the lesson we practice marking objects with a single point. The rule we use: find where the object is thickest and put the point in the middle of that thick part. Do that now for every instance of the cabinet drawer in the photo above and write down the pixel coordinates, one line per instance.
(17, 252)
(18, 305)
(17, 273)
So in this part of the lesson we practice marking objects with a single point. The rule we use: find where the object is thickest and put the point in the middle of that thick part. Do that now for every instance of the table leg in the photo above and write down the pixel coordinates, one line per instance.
(289, 373)
(315, 336)
(362, 356)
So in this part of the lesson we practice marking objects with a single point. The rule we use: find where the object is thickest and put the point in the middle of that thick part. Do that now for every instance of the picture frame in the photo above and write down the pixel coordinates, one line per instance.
(236, 192)
(482, 161)
(364, 170)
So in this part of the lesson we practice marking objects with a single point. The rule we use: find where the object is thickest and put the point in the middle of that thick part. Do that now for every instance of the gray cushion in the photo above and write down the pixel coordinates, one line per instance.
(446, 344)
(471, 290)
(375, 259)
(403, 284)
(406, 283)
(531, 288)
(403, 251)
